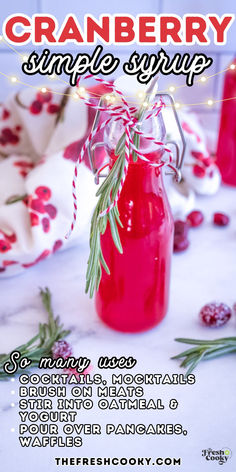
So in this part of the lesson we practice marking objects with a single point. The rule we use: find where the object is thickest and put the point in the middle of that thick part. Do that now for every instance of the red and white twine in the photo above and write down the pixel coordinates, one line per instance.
(125, 113)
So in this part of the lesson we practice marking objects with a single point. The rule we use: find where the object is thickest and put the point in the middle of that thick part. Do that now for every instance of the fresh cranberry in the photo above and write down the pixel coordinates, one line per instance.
(61, 349)
(2, 269)
(37, 205)
(4, 246)
(36, 107)
(221, 219)
(215, 314)
(44, 193)
(5, 114)
(53, 108)
(46, 225)
(51, 210)
(195, 218)
(34, 219)
(18, 128)
(44, 97)
(57, 245)
(199, 171)
(181, 228)
(180, 243)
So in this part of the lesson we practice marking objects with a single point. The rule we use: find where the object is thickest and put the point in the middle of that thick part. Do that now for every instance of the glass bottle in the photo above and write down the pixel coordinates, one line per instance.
(134, 297)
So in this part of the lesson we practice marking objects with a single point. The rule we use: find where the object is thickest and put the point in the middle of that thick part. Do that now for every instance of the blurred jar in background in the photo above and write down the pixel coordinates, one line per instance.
(226, 149)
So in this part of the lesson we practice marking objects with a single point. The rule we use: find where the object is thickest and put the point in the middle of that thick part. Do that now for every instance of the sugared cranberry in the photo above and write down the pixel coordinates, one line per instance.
(37, 205)
(53, 108)
(44, 193)
(51, 210)
(36, 107)
(57, 245)
(199, 171)
(34, 219)
(215, 314)
(46, 225)
(61, 349)
(221, 219)
(44, 97)
(4, 246)
(195, 218)
(180, 243)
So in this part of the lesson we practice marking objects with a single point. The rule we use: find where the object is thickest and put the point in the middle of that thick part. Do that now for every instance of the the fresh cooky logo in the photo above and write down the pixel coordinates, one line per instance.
(221, 456)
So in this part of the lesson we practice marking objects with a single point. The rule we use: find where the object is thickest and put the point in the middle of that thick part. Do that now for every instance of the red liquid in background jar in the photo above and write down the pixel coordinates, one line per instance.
(226, 151)
(134, 297)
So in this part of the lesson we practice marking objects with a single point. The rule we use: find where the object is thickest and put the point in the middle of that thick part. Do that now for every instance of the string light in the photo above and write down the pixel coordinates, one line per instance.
(13, 392)
(141, 94)
(108, 97)
(203, 79)
(232, 66)
(145, 104)
(172, 88)
(12, 405)
(76, 96)
(177, 105)
(12, 379)
(210, 102)
(43, 90)
(12, 430)
(25, 58)
(13, 79)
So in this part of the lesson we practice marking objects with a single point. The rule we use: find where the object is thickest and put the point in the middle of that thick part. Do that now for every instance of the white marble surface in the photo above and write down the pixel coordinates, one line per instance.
(206, 272)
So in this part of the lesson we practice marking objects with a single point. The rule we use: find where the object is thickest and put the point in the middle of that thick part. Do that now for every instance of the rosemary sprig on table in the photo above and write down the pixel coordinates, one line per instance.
(41, 344)
(204, 350)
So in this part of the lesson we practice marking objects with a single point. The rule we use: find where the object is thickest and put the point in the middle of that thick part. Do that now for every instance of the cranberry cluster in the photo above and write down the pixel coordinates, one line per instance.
(6, 241)
(39, 205)
(205, 161)
(44, 100)
(10, 136)
(193, 220)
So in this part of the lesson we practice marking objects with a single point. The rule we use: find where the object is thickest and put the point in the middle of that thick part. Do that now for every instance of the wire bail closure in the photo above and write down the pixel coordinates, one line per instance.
(175, 170)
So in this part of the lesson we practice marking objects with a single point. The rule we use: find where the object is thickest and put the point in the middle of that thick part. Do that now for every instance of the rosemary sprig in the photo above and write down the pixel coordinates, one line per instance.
(106, 193)
(41, 344)
(204, 350)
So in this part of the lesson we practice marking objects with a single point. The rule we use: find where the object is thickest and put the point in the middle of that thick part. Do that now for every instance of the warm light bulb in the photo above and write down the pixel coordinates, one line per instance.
(12, 405)
(108, 97)
(113, 99)
(210, 102)
(1, 38)
(52, 76)
(12, 430)
(145, 104)
(141, 94)
(25, 58)
(171, 89)
(177, 105)
(76, 96)
(232, 66)
(43, 90)
(203, 79)
(13, 79)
